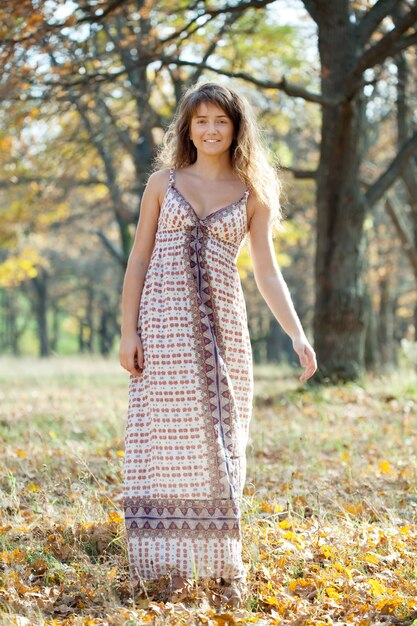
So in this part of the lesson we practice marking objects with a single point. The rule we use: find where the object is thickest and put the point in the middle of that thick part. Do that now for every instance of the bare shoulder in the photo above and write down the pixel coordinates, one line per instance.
(157, 183)
(259, 212)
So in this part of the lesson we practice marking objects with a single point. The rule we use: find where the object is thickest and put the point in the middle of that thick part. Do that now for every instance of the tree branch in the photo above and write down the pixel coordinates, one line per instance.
(108, 245)
(386, 46)
(230, 19)
(47, 28)
(393, 171)
(372, 19)
(304, 174)
(98, 17)
(402, 232)
(67, 182)
(282, 85)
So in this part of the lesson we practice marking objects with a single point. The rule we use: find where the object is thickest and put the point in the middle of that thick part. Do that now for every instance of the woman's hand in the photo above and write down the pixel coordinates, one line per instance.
(306, 355)
(131, 354)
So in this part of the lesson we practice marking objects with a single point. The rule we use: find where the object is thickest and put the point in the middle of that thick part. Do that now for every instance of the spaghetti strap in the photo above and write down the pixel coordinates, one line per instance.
(171, 176)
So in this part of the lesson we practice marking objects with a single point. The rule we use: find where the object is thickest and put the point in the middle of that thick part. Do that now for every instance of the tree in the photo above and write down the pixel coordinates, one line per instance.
(353, 42)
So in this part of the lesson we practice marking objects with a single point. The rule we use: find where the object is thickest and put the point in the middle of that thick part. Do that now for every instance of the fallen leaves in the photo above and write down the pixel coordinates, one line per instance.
(328, 516)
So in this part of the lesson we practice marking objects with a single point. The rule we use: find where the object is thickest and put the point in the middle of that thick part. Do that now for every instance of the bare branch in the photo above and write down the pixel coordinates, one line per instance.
(109, 245)
(392, 173)
(213, 45)
(372, 19)
(300, 173)
(386, 46)
(67, 182)
(402, 232)
(57, 26)
(98, 17)
(282, 85)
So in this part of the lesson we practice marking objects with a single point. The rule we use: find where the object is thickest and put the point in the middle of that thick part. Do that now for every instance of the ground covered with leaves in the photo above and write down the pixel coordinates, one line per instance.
(329, 513)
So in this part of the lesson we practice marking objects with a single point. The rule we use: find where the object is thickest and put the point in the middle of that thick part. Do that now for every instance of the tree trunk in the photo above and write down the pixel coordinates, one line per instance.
(89, 319)
(107, 330)
(41, 308)
(55, 329)
(404, 123)
(278, 344)
(386, 323)
(10, 334)
(371, 340)
(339, 320)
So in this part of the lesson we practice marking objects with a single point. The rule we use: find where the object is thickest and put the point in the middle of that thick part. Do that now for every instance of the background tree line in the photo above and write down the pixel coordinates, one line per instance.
(88, 89)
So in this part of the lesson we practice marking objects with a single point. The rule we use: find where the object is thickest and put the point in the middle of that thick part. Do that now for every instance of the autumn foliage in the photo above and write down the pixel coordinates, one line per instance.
(329, 512)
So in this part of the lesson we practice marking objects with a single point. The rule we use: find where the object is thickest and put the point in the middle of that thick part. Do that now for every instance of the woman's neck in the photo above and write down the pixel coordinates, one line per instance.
(212, 167)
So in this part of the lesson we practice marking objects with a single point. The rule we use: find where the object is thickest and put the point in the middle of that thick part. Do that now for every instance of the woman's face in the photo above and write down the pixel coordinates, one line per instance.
(211, 130)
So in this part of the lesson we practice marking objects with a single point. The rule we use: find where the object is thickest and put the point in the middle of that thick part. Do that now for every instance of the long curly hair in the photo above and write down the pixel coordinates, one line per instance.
(248, 153)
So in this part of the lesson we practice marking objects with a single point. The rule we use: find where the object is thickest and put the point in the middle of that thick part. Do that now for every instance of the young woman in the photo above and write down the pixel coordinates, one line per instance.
(185, 341)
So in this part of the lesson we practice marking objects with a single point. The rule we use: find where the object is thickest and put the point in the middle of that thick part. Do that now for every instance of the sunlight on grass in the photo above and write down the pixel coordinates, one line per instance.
(328, 515)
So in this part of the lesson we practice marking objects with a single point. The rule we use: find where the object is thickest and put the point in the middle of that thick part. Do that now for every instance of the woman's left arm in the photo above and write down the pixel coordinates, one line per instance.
(272, 285)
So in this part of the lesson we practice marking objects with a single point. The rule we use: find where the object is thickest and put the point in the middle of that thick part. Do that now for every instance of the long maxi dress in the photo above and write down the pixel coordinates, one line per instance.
(190, 408)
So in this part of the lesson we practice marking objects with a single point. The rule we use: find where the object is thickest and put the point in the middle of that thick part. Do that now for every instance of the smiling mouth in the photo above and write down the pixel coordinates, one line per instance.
(211, 140)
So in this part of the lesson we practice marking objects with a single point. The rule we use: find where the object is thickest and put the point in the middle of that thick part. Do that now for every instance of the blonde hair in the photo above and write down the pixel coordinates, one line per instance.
(248, 154)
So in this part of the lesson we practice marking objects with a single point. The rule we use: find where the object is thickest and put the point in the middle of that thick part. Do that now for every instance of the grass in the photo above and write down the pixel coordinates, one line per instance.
(329, 511)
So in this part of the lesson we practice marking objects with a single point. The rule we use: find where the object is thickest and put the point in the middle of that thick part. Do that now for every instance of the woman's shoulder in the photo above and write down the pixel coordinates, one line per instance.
(159, 177)
(256, 200)
(157, 184)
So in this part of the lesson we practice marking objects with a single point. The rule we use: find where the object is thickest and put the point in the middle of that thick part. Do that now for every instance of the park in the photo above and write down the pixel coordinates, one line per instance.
(329, 506)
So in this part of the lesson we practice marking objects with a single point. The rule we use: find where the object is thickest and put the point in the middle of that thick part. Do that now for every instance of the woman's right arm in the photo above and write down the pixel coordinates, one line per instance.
(130, 351)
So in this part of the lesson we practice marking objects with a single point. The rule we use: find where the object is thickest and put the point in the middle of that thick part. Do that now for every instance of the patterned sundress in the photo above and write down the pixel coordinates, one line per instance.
(190, 408)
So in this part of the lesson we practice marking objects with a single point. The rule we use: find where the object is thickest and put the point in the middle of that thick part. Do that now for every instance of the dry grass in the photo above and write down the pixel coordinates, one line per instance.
(329, 514)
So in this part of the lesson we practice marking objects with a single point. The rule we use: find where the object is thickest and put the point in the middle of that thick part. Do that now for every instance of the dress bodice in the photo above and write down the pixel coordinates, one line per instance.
(227, 224)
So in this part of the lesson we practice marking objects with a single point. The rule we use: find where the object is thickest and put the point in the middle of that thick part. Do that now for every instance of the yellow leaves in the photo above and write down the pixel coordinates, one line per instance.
(346, 457)
(112, 573)
(298, 582)
(377, 588)
(270, 507)
(294, 538)
(333, 593)
(303, 587)
(33, 487)
(114, 517)
(371, 557)
(224, 619)
(344, 570)
(325, 582)
(20, 267)
(388, 605)
(13, 556)
(328, 551)
(271, 600)
(6, 143)
(285, 523)
(353, 508)
(385, 467)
